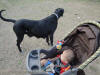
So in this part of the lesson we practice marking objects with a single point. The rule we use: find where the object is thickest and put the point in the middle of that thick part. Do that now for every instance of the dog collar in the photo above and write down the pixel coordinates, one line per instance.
(56, 15)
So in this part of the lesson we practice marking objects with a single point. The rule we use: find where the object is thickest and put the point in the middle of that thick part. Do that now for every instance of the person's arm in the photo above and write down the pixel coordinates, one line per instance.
(50, 53)
(53, 52)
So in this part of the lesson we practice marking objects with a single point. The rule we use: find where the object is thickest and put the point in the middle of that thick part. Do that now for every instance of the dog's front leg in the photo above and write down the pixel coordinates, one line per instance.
(47, 40)
(51, 39)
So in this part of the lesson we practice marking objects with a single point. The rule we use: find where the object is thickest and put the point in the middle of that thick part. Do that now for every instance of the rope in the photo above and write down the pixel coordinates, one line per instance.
(96, 54)
(92, 22)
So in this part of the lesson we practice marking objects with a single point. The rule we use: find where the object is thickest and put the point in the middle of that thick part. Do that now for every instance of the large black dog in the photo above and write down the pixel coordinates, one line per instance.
(43, 28)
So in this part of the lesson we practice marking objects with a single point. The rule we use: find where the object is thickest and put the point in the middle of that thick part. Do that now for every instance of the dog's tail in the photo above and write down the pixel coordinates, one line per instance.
(4, 19)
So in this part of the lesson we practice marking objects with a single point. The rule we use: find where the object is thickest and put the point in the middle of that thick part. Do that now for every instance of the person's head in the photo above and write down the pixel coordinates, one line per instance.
(67, 56)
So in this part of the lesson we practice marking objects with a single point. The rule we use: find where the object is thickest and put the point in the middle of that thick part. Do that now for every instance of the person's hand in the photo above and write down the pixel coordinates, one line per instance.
(43, 62)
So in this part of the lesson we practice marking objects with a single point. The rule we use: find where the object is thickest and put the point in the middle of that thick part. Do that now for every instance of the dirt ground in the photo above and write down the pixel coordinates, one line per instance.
(11, 61)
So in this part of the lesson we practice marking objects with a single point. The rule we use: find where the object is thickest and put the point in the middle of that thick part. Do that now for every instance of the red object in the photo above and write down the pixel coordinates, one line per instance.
(61, 41)
(58, 55)
(63, 69)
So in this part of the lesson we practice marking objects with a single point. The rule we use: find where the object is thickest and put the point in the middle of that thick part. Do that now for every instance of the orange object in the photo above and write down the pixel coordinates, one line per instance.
(63, 69)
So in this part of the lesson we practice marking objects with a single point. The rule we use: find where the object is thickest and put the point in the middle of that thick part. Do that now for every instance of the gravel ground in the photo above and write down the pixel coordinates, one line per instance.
(76, 11)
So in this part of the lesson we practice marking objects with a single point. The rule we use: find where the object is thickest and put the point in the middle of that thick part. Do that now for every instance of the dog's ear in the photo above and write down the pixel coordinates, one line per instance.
(62, 11)
(59, 9)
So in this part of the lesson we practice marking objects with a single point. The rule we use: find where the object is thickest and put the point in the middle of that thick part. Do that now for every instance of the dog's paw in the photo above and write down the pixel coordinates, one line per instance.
(48, 43)
(22, 52)
(51, 44)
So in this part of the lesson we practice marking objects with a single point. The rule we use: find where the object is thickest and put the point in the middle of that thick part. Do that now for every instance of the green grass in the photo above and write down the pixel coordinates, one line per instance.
(91, 0)
(84, 0)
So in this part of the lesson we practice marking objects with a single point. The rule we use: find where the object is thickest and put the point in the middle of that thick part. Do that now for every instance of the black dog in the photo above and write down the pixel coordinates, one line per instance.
(43, 28)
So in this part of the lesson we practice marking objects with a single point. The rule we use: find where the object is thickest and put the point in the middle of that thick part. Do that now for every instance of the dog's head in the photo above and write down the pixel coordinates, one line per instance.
(59, 12)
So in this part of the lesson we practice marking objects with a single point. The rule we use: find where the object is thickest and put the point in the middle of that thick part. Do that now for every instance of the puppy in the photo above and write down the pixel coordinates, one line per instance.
(43, 28)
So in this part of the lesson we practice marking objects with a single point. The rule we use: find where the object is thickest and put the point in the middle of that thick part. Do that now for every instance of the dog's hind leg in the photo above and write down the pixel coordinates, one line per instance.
(47, 40)
(19, 40)
(51, 39)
